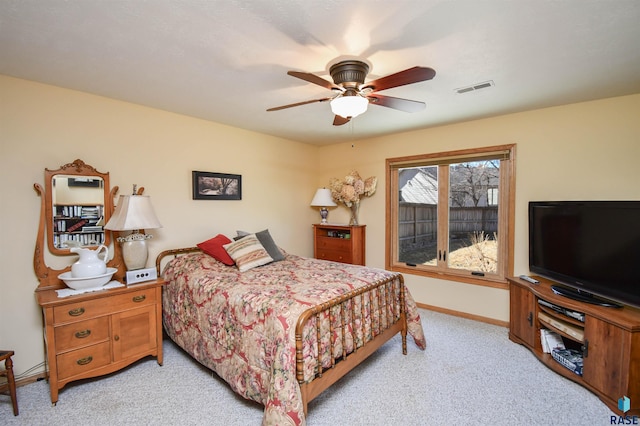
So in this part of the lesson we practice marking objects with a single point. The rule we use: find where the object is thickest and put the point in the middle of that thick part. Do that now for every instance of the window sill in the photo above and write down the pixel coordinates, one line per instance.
(466, 278)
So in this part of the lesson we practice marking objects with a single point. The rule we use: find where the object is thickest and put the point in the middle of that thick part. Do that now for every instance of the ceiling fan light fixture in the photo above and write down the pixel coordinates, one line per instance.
(349, 105)
(354, 95)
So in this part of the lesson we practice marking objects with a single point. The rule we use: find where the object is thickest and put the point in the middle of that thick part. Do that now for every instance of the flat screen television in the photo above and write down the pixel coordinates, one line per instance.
(590, 248)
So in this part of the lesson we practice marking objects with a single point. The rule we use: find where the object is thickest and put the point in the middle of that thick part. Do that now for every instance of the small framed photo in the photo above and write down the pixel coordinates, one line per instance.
(216, 186)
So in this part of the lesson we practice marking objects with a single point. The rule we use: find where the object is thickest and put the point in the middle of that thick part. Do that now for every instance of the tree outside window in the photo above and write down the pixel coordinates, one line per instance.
(450, 214)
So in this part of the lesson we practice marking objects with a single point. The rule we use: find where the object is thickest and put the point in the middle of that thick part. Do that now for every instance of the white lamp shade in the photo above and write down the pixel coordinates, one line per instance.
(323, 198)
(133, 212)
(349, 106)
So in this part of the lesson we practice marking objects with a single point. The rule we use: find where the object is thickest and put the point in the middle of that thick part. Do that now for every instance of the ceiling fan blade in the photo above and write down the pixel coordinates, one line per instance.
(298, 104)
(409, 76)
(401, 104)
(339, 120)
(312, 78)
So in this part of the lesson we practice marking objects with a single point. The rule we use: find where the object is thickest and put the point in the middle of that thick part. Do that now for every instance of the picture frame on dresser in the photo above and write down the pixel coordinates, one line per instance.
(216, 186)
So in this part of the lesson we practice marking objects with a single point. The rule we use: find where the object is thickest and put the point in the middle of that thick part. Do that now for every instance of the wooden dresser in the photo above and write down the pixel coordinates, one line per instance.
(97, 333)
(340, 243)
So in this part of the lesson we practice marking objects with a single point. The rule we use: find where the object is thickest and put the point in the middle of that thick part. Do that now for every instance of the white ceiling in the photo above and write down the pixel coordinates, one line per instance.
(226, 60)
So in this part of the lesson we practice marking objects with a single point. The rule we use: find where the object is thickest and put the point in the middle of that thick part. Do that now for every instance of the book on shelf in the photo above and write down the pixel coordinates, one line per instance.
(569, 358)
(77, 225)
(550, 340)
(90, 212)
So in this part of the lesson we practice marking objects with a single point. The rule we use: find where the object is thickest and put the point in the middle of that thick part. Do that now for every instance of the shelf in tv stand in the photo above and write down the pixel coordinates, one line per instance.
(611, 340)
(561, 316)
(578, 325)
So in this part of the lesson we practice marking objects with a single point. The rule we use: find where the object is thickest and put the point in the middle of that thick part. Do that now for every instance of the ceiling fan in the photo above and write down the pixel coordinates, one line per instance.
(352, 95)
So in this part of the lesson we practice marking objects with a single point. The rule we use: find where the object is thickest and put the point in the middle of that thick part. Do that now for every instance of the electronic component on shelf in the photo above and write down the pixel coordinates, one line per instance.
(571, 314)
(141, 275)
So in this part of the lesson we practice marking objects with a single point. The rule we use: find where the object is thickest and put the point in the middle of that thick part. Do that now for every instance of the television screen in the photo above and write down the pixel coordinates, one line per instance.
(590, 246)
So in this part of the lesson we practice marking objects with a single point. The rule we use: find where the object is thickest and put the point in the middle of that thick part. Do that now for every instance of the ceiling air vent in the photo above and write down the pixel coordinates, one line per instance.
(475, 87)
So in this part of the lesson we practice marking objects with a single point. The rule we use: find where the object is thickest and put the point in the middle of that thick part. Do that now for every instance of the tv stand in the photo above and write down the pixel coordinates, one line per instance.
(609, 339)
(583, 296)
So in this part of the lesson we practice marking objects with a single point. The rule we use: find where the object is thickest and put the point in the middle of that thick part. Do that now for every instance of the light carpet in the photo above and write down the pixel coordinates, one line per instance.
(470, 374)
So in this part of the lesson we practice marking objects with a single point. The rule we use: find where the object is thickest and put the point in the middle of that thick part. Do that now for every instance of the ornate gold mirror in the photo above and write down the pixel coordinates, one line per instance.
(75, 205)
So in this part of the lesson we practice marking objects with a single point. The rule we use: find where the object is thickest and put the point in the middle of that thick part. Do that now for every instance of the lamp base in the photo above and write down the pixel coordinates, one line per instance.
(134, 250)
(324, 213)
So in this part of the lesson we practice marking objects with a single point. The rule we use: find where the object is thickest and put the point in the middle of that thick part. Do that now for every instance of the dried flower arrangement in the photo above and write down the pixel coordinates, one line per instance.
(350, 190)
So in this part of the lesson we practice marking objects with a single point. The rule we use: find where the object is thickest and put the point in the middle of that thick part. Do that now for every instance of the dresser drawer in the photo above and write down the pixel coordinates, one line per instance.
(83, 360)
(81, 333)
(335, 255)
(332, 243)
(88, 309)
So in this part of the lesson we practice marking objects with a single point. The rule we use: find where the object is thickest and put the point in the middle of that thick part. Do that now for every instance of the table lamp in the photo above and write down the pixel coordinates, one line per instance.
(323, 200)
(134, 213)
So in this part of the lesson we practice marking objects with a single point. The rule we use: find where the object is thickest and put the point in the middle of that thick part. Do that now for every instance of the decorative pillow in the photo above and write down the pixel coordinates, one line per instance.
(215, 248)
(267, 242)
(248, 253)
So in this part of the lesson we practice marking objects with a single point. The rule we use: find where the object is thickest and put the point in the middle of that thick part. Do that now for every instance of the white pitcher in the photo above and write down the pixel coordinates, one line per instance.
(89, 265)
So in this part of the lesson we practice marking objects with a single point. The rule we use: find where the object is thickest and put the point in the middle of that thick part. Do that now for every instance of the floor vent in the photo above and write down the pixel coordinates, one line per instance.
(475, 87)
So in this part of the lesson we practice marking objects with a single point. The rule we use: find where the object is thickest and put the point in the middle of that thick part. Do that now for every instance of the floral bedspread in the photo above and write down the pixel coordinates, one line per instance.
(242, 325)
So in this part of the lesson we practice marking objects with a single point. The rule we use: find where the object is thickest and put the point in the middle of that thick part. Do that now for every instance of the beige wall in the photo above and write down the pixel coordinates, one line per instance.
(582, 151)
(45, 127)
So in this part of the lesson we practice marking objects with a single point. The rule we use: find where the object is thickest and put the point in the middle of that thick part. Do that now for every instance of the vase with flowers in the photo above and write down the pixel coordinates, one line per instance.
(350, 190)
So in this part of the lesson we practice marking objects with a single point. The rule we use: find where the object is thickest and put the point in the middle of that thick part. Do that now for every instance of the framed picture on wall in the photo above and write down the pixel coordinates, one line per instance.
(216, 186)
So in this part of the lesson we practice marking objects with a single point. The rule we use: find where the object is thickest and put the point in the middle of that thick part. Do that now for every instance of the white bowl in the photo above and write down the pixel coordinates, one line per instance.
(87, 282)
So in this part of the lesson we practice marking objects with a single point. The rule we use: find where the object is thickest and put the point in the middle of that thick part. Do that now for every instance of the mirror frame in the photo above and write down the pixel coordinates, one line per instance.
(48, 277)
(77, 168)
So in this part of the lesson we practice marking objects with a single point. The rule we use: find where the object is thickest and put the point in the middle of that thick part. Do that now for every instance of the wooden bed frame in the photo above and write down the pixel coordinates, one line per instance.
(394, 322)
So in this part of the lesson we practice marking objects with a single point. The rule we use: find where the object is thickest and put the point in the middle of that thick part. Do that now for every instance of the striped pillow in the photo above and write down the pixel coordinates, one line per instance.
(248, 253)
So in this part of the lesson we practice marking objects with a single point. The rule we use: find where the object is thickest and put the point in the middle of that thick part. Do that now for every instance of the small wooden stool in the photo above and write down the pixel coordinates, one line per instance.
(11, 381)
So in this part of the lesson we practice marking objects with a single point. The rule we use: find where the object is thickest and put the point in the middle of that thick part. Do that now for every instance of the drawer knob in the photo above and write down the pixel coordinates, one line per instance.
(116, 338)
(82, 334)
(84, 361)
(76, 312)
(139, 298)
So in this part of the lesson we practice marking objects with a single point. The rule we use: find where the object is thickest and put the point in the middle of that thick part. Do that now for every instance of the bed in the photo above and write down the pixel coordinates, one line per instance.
(283, 332)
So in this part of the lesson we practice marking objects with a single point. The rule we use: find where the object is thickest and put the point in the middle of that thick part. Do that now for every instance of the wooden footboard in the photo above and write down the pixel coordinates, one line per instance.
(389, 319)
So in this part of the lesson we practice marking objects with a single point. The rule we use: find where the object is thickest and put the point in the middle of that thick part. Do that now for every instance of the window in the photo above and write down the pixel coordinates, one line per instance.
(450, 215)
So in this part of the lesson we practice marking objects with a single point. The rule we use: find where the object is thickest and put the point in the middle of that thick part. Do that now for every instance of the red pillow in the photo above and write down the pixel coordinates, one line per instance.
(214, 248)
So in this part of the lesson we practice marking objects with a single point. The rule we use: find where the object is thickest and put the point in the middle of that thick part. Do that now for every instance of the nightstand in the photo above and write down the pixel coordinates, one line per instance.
(340, 243)
(97, 333)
